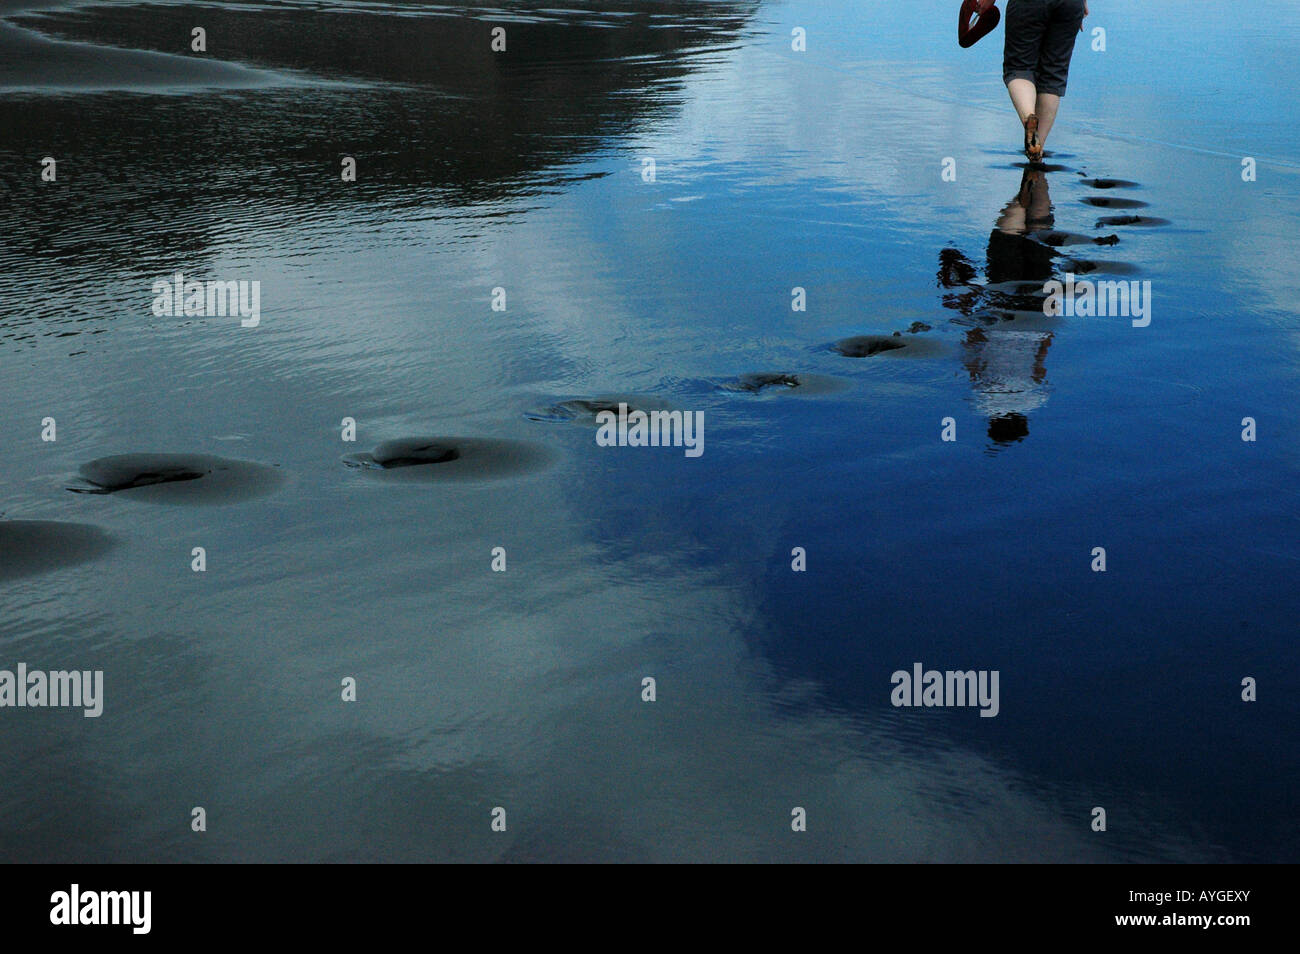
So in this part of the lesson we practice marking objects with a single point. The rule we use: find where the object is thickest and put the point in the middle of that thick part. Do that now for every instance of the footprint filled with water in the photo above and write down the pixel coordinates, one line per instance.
(897, 344)
(1113, 202)
(1087, 266)
(1109, 184)
(436, 459)
(585, 410)
(1040, 166)
(1058, 239)
(782, 382)
(1113, 221)
(31, 547)
(177, 478)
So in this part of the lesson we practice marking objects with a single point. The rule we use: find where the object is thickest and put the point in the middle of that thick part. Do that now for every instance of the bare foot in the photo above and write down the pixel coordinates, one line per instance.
(1033, 148)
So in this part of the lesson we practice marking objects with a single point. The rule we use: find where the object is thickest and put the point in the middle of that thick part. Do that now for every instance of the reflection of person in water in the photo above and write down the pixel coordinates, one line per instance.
(1013, 256)
(1006, 363)
(1036, 62)
(1008, 374)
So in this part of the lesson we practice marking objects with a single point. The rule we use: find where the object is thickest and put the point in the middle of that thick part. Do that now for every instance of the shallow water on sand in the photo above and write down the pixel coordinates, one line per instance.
(774, 169)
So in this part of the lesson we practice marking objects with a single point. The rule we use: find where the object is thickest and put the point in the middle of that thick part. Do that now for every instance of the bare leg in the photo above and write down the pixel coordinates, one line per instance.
(1024, 96)
(1012, 218)
(1047, 105)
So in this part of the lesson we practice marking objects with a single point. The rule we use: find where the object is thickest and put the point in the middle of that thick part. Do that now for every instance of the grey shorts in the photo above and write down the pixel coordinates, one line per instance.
(1040, 40)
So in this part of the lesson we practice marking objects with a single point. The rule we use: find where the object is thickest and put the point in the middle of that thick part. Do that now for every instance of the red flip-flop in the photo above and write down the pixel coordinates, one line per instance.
(987, 16)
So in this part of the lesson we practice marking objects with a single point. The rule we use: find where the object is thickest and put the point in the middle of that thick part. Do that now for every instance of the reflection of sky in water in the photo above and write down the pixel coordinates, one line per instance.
(774, 169)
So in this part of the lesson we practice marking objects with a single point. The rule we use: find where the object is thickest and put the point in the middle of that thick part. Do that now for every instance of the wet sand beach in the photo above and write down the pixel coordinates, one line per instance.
(397, 475)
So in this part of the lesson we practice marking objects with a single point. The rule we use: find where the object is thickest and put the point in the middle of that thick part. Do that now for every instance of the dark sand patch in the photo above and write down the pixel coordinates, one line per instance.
(32, 62)
(30, 547)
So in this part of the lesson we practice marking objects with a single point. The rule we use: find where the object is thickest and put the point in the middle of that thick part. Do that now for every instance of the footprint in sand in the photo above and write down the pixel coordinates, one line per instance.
(177, 478)
(584, 410)
(1109, 184)
(782, 382)
(30, 547)
(1113, 202)
(1118, 202)
(1112, 221)
(910, 344)
(1040, 166)
(436, 459)
(1089, 266)
(1058, 239)
(757, 382)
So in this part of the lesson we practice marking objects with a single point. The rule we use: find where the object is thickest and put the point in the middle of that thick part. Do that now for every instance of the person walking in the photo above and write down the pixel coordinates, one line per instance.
(1036, 62)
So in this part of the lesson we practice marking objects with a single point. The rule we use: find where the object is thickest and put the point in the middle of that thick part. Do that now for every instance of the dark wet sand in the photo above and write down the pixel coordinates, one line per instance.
(29, 61)
(31, 547)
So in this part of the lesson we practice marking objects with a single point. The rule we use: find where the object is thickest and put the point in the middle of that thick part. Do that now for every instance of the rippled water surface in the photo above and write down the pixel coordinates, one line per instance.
(528, 171)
